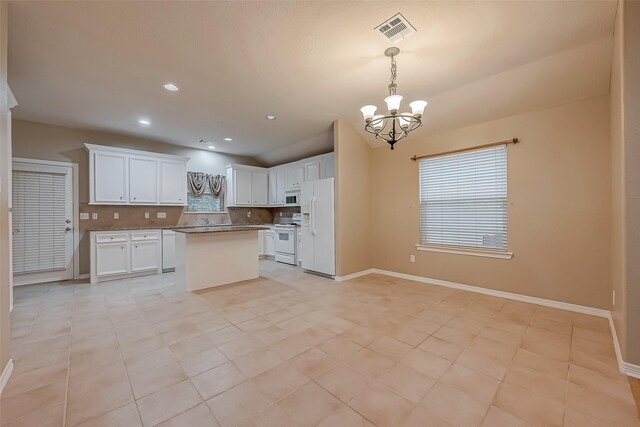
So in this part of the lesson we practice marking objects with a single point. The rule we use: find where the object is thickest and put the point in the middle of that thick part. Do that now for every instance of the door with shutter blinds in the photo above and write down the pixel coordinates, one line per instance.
(42, 224)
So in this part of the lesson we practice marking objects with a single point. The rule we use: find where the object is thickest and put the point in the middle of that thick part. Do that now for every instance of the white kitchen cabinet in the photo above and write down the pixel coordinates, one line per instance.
(144, 256)
(260, 188)
(124, 253)
(247, 186)
(295, 176)
(143, 180)
(312, 170)
(270, 243)
(273, 187)
(298, 251)
(329, 165)
(243, 180)
(109, 178)
(119, 176)
(173, 182)
(281, 186)
(112, 259)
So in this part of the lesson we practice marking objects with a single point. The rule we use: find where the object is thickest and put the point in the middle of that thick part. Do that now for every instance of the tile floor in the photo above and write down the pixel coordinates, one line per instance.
(291, 349)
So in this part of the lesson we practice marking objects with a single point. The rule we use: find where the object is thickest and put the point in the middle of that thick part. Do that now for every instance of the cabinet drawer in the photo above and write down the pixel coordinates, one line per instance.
(141, 237)
(112, 238)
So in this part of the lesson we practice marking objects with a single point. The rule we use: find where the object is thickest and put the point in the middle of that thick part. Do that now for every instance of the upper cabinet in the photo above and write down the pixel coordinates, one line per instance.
(247, 186)
(108, 176)
(312, 169)
(173, 182)
(295, 176)
(119, 176)
(329, 165)
(143, 186)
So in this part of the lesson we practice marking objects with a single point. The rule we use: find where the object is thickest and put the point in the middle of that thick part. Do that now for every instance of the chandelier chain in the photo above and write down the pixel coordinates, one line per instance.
(394, 70)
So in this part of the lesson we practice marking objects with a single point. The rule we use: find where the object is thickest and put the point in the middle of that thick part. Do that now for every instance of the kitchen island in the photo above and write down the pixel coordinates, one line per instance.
(217, 255)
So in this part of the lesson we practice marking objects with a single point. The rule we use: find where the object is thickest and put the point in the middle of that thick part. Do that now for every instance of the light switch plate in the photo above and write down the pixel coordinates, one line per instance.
(116, 215)
(161, 215)
(146, 215)
(84, 215)
(94, 215)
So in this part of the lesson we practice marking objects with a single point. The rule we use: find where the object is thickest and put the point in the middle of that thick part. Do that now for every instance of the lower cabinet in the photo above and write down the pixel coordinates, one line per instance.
(112, 258)
(116, 255)
(270, 243)
(267, 243)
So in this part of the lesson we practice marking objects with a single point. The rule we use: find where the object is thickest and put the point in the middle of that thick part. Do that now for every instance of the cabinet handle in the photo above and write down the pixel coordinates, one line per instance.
(120, 197)
(122, 247)
(134, 198)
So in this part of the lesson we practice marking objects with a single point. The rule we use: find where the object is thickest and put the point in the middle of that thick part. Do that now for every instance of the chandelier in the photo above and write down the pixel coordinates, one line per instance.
(394, 126)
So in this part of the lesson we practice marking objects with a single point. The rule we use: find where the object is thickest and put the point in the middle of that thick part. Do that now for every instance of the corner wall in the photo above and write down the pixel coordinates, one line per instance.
(353, 200)
(559, 206)
(625, 200)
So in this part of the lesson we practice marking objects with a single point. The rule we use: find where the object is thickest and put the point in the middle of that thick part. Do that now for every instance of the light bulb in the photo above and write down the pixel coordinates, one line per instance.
(377, 122)
(393, 103)
(417, 107)
(368, 112)
(404, 121)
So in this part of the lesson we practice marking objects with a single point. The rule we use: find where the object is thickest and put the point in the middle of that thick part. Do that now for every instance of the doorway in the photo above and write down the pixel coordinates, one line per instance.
(43, 230)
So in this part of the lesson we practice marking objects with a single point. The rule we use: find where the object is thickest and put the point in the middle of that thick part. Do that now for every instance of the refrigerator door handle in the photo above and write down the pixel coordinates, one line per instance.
(313, 215)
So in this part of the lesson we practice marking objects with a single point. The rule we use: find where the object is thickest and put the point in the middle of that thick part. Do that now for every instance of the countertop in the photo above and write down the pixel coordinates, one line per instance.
(220, 229)
(177, 227)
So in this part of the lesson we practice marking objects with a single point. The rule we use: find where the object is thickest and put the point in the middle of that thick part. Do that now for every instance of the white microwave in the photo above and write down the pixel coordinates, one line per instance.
(292, 198)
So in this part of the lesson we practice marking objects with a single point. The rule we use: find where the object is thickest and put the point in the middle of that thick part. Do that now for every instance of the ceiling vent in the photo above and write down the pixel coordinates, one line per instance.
(396, 28)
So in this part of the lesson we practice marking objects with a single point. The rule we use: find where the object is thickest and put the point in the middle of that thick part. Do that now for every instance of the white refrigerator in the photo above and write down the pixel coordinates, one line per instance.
(317, 244)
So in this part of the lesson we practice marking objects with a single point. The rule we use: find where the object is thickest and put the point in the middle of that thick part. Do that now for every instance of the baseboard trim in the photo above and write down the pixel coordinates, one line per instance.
(625, 367)
(500, 294)
(6, 374)
(353, 275)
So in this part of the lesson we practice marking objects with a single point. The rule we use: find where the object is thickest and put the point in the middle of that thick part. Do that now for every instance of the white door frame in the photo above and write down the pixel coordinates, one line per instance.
(76, 206)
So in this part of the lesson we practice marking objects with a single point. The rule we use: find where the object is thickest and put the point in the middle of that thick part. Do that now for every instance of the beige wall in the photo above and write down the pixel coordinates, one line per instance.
(625, 111)
(353, 200)
(559, 206)
(47, 142)
(5, 168)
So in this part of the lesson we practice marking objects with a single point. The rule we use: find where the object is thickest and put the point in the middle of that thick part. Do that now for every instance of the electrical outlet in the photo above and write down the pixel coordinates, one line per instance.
(116, 215)
(280, 214)
(146, 215)
(412, 258)
(161, 215)
(94, 215)
(249, 214)
(84, 215)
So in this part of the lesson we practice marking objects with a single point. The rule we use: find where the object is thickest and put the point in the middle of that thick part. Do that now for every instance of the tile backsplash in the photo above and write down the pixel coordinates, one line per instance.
(134, 216)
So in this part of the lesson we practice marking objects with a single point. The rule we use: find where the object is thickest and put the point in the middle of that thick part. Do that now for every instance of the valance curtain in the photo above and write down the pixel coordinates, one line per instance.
(216, 185)
(196, 182)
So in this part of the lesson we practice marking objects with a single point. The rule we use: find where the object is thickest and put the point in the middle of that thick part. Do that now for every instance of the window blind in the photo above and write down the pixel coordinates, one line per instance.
(463, 199)
(39, 214)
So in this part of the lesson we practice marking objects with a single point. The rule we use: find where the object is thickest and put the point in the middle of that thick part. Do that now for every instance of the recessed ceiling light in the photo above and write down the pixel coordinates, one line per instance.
(271, 117)
(170, 87)
(228, 139)
(144, 122)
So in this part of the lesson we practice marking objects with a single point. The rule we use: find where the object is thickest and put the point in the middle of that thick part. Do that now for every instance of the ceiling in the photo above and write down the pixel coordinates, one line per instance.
(101, 65)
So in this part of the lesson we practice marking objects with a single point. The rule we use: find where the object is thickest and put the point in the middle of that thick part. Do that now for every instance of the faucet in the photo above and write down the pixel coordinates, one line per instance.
(205, 221)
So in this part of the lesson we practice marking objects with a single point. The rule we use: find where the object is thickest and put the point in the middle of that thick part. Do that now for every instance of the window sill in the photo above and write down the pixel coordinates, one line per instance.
(472, 252)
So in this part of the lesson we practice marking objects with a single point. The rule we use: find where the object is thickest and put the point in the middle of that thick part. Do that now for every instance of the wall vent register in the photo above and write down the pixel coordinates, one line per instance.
(396, 28)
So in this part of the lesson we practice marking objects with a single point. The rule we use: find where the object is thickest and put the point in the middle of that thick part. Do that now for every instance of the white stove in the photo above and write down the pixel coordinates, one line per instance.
(287, 241)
